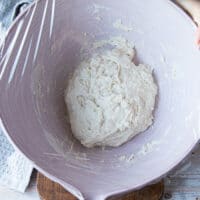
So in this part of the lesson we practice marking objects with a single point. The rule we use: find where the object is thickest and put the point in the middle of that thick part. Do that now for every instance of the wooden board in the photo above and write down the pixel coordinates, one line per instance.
(48, 190)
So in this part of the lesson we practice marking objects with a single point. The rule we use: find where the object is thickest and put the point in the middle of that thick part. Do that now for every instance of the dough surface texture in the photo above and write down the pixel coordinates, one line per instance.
(109, 99)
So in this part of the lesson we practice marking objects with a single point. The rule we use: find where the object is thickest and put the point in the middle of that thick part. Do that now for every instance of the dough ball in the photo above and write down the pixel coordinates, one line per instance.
(110, 99)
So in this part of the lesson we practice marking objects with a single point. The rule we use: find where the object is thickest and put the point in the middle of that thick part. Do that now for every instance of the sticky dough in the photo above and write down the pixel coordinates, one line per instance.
(110, 99)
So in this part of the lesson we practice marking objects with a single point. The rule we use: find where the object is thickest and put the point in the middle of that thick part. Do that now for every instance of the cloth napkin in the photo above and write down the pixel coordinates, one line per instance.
(15, 169)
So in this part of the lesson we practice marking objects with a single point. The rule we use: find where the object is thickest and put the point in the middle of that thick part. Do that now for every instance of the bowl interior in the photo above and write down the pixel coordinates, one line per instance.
(43, 48)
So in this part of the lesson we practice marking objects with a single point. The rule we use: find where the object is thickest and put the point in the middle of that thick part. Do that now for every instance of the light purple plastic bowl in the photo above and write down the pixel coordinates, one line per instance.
(43, 47)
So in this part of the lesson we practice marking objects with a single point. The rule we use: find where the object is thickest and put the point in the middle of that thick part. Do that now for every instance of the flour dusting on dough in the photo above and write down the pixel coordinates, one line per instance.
(109, 98)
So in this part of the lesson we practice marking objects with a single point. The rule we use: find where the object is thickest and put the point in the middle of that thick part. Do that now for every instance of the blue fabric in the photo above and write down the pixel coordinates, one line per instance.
(8, 10)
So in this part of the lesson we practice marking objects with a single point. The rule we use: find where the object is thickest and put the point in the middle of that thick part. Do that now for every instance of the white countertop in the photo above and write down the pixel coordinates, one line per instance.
(30, 194)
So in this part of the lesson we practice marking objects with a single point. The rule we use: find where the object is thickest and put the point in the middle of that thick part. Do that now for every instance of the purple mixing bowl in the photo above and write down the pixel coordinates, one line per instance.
(43, 47)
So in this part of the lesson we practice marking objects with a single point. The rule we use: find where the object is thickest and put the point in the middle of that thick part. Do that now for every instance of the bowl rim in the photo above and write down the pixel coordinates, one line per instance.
(75, 191)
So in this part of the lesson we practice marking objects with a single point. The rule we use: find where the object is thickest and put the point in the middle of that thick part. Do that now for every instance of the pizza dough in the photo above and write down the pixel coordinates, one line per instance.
(110, 99)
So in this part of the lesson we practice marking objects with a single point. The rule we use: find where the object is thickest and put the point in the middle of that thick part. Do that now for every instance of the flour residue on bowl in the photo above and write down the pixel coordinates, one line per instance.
(97, 8)
(118, 24)
(147, 148)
